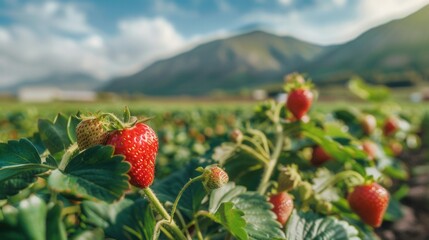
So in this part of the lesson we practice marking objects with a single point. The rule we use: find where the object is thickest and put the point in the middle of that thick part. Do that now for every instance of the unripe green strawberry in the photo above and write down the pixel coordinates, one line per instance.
(214, 177)
(289, 178)
(305, 191)
(236, 136)
(90, 132)
(283, 206)
(323, 206)
(369, 202)
(369, 123)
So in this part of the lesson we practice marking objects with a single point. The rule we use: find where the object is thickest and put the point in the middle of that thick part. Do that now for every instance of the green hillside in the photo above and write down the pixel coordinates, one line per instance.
(394, 54)
(231, 64)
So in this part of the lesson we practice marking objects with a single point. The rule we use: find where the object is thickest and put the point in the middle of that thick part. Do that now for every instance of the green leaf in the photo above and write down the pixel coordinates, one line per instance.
(376, 93)
(93, 174)
(261, 221)
(32, 217)
(126, 219)
(72, 123)
(167, 189)
(55, 227)
(393, 211)
(309, 225)
(338, 151)
(54, 135)
(224, 194)
(19, 165)
(232, 220)
(93, 234)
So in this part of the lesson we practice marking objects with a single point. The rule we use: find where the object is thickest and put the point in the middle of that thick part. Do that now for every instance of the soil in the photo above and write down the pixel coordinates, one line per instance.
(415, 223)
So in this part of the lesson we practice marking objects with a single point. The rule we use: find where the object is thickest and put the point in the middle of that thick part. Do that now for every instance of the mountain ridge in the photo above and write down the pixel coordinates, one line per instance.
(240, 61)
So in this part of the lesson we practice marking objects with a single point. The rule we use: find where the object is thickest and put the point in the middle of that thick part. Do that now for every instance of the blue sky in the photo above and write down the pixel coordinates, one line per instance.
(112, 37)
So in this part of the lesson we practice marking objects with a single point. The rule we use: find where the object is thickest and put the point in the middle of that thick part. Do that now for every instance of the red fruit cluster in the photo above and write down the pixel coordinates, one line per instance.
(390, 126)
(283, 206)
(319, 156)
(299, 102)
(369, 202)
(139, 145)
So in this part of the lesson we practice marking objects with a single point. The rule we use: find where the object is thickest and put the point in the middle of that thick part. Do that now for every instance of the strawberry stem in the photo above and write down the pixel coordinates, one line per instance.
(161, 210)
(116, 120)
(269, 168)
(156, 203)
(340, 177)
(67, 156)
(176, 202)
(127, 114)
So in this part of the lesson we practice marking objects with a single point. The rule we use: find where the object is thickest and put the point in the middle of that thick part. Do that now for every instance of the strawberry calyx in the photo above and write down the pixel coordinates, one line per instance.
(128, 121)
(295, 81)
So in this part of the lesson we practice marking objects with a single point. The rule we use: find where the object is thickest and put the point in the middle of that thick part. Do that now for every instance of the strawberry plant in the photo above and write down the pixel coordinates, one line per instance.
(285, 172)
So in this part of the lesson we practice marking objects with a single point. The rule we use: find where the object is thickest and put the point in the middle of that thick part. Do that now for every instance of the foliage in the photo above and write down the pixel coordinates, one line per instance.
(51, 190)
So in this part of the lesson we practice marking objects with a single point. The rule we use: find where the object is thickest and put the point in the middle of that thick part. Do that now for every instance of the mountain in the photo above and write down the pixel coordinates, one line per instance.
(394, 54)
(72, 81)
(230, 64)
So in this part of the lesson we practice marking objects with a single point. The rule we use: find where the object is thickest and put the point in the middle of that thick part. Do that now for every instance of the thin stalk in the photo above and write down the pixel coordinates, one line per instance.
(183, 223)
(157, 228)
(157, 204)
(257, 155)
(258, 147)
(161, 210)
(268, 171)
(339, 177)
(176, 202)
(263, 138)
(67, 156)
(198, 230)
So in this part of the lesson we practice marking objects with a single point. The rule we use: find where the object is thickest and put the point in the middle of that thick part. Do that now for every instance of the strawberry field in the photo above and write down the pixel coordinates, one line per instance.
(269, 170)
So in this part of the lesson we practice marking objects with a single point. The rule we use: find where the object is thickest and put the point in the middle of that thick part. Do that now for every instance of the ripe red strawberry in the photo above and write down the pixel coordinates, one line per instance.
(369, 202)
(283, 206)
(214, 177)
(90, 132)
(370, 148)
(369, 124)
(390, 126)
(299, 102)
(139, 145)
(319, 156)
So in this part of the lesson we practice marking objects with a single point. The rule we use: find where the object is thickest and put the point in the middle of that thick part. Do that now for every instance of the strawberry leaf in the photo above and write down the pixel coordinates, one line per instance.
(167, 189)
(125, 219)
(224, 194)
(261, 221)
(19, 165)
(309, 225)
(55, 228)
(54, 135)
(72, 123)
(93, 174)
(26, 221)
(232, 219)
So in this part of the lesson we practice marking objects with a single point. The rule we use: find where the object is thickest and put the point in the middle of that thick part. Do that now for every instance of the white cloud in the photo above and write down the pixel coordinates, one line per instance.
(305, 24)
(35, 47)
(285, 2)
(142, 40)
(51, 15)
